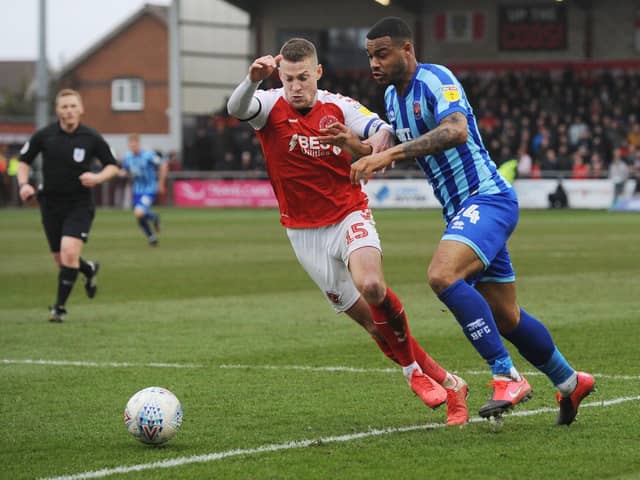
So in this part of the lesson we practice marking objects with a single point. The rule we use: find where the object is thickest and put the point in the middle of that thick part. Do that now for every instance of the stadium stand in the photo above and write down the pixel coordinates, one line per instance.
(555, 122)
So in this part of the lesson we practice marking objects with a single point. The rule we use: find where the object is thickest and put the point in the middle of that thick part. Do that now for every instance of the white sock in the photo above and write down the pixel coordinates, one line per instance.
(567, 387)
(513, 375)
(451, 382)
(408, 370)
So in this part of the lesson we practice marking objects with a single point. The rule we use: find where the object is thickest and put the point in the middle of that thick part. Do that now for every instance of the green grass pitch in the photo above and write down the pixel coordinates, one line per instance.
(222, 314)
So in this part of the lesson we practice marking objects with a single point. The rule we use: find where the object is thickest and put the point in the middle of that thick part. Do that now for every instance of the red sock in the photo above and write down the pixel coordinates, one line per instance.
(384, 347)
(398, 341)
(428, 365)
(408, 350)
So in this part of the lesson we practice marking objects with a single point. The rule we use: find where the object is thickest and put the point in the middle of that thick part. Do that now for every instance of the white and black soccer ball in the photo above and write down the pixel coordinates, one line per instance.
(153, 415)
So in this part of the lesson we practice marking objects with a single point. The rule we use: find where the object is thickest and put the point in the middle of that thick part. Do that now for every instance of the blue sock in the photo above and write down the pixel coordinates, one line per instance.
(557, 369)
(474, 316)
(534, 342)
(144, 225)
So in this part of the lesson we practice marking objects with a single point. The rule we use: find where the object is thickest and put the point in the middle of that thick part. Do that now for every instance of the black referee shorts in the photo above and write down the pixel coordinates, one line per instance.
(66, 216)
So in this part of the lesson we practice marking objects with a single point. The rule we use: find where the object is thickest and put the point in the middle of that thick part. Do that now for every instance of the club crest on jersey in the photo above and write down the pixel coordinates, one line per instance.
(417, 110)
(78, 154)
(451, 93)
(327, 120)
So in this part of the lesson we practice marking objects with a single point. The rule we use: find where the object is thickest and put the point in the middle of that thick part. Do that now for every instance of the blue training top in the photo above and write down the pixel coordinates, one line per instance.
(457, 173)
(144, 170)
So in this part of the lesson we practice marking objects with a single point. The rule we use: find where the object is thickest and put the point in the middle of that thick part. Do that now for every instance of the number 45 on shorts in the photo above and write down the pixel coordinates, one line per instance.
(356, 231)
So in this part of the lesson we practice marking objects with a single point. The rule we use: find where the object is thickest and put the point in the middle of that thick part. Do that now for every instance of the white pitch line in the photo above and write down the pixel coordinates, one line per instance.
(71, 363)
(210, 457)
(329, 368)
(395, 370)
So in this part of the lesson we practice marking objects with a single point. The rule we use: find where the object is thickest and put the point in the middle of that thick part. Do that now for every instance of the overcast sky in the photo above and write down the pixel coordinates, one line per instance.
(72, 26)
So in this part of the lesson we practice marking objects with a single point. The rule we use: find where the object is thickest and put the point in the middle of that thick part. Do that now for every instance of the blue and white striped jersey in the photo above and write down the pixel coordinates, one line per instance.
(144, 170)
(459, 172)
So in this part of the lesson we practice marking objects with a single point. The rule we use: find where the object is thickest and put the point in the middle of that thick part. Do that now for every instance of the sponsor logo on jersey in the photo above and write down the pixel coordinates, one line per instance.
(293, 141)
(78, 154)
(311, 146)
(327, 120)
(451, 93)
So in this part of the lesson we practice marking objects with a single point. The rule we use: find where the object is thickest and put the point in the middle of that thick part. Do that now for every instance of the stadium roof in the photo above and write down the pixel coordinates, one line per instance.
(415, 6)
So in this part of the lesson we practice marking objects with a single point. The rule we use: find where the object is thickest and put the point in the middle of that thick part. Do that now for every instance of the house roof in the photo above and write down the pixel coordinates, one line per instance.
(158, 11)
(16, 74)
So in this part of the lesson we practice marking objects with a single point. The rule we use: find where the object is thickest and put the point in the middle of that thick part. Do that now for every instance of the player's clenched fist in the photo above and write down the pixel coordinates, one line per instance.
(263, 67)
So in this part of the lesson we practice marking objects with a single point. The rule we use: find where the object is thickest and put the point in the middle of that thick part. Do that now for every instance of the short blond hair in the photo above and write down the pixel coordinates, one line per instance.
(298, 50)
(133, 137)
(65, 92)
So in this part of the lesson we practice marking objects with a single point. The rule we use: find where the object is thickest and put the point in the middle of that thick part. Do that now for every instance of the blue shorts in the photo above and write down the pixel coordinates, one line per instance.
(143, 201)
(485, 223)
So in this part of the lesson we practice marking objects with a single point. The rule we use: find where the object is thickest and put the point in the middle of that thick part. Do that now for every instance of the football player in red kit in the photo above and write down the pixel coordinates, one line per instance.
(327, 219)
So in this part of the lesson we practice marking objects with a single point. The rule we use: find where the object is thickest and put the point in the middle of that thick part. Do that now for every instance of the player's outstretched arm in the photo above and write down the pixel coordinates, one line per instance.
(339, 135)
(451, 132)
(382, 140)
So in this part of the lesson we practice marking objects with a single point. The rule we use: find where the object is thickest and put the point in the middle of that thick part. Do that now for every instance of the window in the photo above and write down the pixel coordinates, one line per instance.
(127, 94)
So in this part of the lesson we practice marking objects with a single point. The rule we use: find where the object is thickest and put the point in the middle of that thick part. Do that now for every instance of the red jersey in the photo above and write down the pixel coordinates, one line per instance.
(310, 180)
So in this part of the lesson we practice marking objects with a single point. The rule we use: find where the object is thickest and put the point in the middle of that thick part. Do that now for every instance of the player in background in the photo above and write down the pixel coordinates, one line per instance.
(66, 197)
(149, 173)
(327, 219)
(470, 271)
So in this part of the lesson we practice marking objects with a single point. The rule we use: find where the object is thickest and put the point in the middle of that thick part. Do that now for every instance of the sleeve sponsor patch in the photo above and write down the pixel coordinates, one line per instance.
(365, 111)
(451, 93)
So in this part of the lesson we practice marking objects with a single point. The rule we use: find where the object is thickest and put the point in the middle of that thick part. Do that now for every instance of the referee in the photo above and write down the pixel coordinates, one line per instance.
(66, 198)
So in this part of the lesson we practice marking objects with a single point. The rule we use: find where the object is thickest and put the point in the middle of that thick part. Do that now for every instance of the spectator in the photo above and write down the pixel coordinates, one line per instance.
(4, 178)
(619, 174)
(576, 130)
(12, 172)
(633, 138)
(580, 170)
(559, 199)
(203, 150)
(635, 170)
(524, 162)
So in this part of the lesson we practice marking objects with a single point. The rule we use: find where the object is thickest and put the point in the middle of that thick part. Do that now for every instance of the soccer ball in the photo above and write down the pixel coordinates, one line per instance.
(153, 415)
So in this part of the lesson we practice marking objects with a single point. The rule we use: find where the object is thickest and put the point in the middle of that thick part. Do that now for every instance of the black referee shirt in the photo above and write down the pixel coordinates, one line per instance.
(66, 156)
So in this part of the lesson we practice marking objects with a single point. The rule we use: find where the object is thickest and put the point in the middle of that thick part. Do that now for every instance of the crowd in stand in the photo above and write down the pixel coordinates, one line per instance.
(572, 123)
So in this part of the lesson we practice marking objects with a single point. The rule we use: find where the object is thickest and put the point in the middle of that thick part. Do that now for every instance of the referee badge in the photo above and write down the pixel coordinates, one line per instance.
(78, 154)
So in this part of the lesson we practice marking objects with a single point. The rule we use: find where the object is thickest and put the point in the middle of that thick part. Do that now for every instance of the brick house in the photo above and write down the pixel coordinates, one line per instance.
(124, 80)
